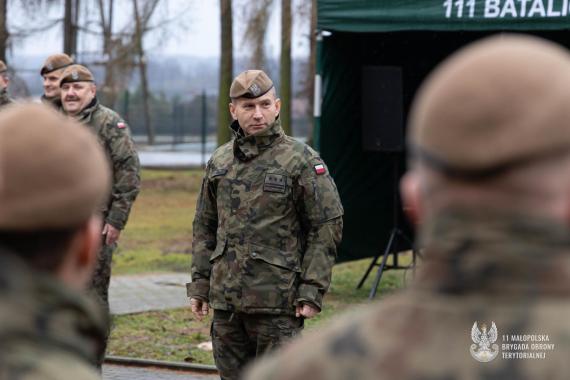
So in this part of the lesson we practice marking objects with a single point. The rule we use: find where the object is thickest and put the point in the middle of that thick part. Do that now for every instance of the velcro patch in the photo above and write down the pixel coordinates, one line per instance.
(121, 125)
(275, 183)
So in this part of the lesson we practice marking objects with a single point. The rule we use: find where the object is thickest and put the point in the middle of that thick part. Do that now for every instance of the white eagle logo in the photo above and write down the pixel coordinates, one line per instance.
(484, 350)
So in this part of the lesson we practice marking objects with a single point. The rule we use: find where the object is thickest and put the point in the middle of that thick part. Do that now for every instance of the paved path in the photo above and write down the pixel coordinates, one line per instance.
(135, 294)
(117, 372)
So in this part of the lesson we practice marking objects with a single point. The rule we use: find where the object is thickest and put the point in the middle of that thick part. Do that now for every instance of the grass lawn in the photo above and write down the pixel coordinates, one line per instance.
(158, 238)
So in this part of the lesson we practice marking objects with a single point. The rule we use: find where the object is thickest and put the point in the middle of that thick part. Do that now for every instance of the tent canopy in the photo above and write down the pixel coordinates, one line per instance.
(442, 15)
(413, 36)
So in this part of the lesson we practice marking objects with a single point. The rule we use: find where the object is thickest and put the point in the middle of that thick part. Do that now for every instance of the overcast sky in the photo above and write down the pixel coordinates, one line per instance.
(196, 33)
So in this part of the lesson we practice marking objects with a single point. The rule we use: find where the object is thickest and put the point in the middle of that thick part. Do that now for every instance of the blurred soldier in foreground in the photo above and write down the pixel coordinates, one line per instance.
(49, 238)
(490, 185)
(51, 73)
(4, 83)
(267, 226)
(78, 99)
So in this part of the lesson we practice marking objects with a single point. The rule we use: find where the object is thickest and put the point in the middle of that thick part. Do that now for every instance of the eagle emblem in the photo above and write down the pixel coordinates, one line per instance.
(484, 350)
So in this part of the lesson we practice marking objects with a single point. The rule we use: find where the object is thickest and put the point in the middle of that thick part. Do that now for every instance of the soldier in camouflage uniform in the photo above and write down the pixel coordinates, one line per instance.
(78, 96)
(4, 83)
(49, 239)
(267, 226)
(51, 72)
(490, 186)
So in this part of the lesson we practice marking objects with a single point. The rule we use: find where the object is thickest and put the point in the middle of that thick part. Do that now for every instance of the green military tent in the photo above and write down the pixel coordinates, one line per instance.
(412, 36)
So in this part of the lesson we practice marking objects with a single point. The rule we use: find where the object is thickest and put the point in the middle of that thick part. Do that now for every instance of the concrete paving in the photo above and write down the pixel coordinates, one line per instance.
(138, 293)
(118, 372)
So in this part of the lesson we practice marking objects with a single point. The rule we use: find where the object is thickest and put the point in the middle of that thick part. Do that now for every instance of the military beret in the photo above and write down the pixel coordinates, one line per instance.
(53, 172)
(56, 62)
(3, 67)
(496, 103)
(250, 84)
(76, 73)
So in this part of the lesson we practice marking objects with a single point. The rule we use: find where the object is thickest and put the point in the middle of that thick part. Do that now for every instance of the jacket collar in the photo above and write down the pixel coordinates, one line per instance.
(492, 253)
(248, 147)
(85, 114)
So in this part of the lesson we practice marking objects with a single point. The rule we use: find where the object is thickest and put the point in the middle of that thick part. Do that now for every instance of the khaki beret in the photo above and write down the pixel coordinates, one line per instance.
(56, 62)
(76, 73)
(53, 172)
(3, 67)
(496, 103)
(250, 84)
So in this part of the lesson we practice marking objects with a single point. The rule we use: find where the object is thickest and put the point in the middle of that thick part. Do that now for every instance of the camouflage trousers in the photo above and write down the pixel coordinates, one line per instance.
(238, 338)
(101, 280)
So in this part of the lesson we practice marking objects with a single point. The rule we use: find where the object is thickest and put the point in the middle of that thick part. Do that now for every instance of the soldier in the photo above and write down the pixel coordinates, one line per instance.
(79, 101)
(51, 73)
(490, 184)
(49, 238)
(267, 226)
(4, 83)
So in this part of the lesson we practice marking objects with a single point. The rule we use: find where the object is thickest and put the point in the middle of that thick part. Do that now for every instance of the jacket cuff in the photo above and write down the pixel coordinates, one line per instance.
(311, 294)
(198, 289)
(116, 219)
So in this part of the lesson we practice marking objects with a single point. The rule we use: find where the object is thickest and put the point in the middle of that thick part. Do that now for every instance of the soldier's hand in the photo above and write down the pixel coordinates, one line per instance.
(111, 234)
(199, 308)
(306, 310)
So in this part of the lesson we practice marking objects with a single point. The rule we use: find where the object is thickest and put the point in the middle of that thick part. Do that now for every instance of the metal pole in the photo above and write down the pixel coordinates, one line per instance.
(318, 93)
(204, 128)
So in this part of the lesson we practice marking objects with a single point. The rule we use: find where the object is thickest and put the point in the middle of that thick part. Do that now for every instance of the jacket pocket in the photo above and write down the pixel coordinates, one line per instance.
(219, 251)
(270, 278)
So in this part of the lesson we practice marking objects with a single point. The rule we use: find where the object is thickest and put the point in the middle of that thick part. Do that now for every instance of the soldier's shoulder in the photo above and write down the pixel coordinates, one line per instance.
(299, 149)
(223, 153)
(50, 365)
(112, 122)
(108, 115)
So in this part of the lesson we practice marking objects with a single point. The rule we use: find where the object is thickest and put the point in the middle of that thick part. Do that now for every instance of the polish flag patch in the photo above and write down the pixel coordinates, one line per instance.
(121, 125)
(320, 169)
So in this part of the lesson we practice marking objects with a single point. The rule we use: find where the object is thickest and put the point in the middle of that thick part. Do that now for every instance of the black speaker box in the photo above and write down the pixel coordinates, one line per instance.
(382, 109)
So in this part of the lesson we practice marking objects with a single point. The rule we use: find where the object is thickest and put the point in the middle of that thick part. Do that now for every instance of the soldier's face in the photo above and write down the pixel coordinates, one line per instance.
(75, 96)
(254, 115)
(51, 83)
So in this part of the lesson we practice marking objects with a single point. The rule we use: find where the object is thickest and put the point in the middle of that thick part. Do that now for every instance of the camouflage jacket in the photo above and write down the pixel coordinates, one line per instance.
(510, 270)
(47, 331)
(5, 98)
(115, 137)
(267, 225)
(54, 102)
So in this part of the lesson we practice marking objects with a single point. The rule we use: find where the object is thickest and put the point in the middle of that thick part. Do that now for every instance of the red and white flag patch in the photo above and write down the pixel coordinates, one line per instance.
(121, 125)
(320, 169)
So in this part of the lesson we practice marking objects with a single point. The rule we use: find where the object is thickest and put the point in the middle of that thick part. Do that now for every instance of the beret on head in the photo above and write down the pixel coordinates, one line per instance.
(3, 67)
(498, 102)
(53, 172)
(76, 73)
(250, 84)
(56, 62)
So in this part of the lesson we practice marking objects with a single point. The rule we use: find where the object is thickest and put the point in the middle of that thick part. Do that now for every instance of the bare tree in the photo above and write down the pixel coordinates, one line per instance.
(309, 86)
(3, 29)
(70, 22)
(106, 12)
(285, 67)
(142, 17)
(256, 16)
(226, 71)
